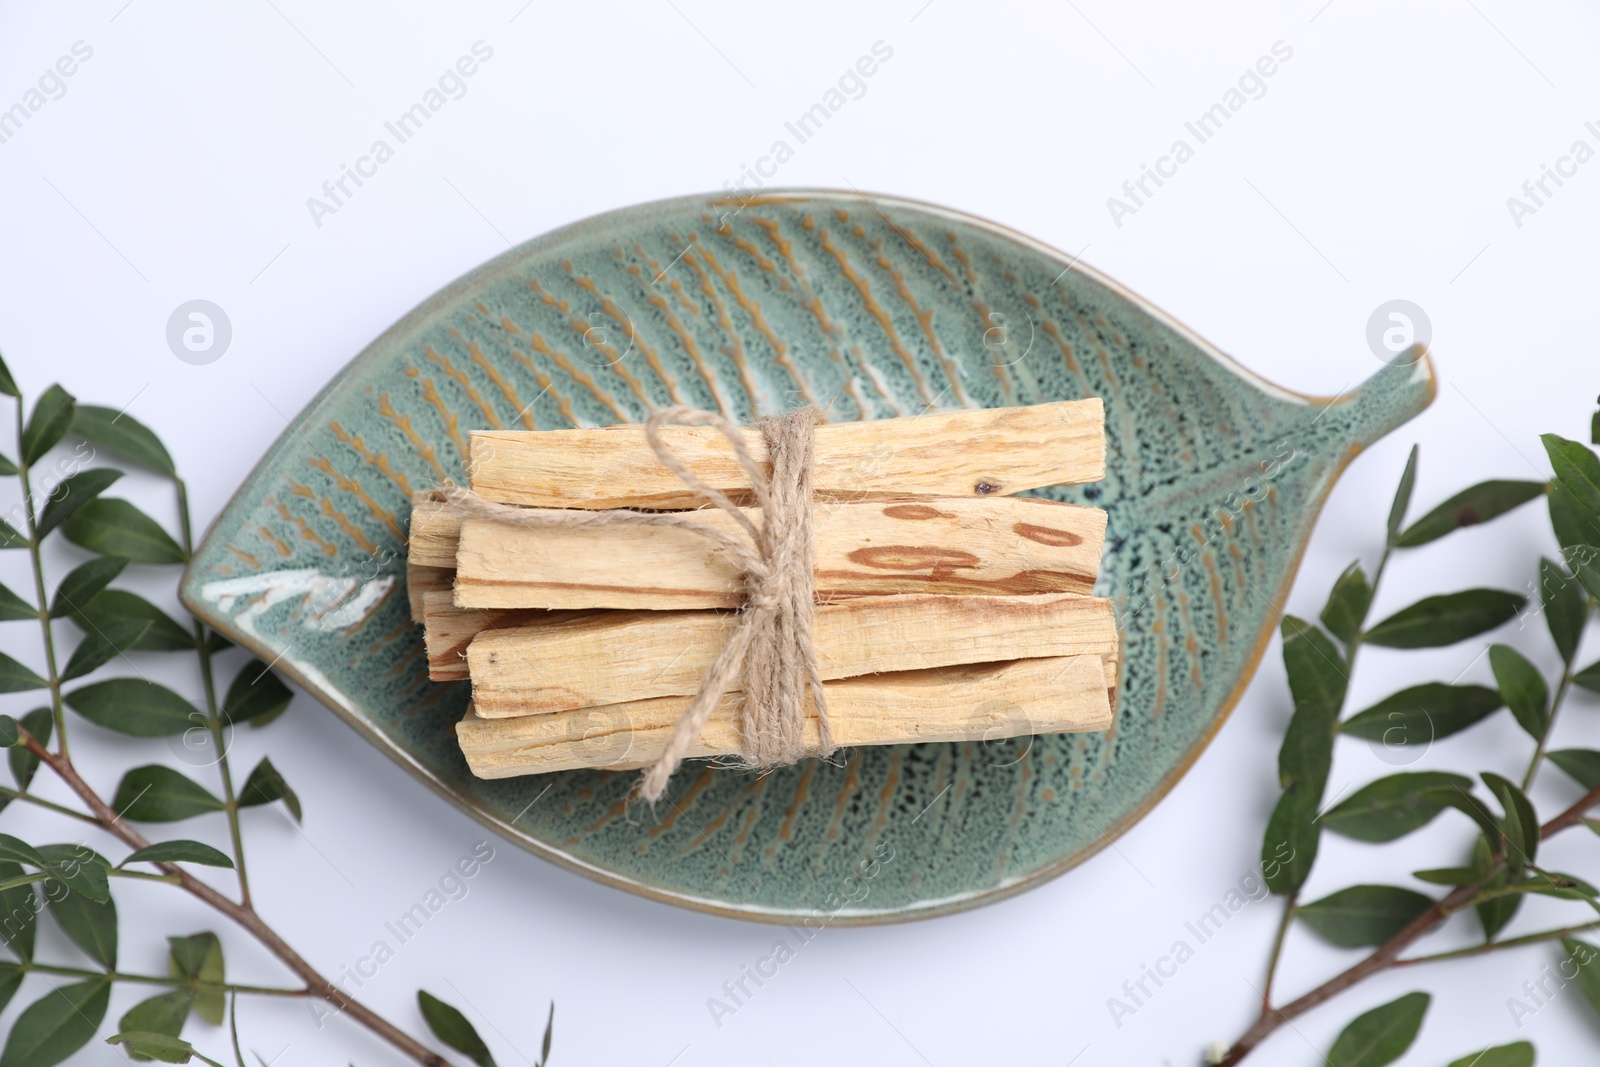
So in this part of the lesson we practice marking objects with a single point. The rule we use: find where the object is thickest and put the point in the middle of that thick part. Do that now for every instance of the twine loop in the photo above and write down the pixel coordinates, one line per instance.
(770, 651)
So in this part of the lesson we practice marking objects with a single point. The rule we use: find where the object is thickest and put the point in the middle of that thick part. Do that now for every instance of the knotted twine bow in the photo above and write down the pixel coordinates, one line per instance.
(770, 649)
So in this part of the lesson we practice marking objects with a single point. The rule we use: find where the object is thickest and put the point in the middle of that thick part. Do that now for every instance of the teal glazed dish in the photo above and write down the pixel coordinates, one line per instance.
(869, 307)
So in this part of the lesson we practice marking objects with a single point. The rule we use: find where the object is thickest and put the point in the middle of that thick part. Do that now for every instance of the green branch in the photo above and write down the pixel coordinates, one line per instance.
(43, 604)
(60, 809)
(164, 980)
(202, 643)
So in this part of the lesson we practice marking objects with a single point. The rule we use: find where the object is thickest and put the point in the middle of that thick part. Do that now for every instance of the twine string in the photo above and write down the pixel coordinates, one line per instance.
(770, 650)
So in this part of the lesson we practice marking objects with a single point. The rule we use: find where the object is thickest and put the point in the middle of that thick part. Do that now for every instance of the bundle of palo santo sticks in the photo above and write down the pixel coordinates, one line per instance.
(946, 609)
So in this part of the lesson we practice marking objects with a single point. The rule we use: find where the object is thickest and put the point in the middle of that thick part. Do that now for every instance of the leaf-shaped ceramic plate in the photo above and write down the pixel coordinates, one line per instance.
(871, 308)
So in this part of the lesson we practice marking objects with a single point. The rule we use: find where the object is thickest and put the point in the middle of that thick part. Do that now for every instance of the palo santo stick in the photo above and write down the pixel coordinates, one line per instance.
(435, 527)
(978, 702)
(618, 656)
(985, 452)
(448, 630)
(422, 580)
(1001, 546)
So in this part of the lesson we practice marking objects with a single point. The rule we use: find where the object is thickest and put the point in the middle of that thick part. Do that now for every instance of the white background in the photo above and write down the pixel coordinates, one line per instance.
(1377, 165)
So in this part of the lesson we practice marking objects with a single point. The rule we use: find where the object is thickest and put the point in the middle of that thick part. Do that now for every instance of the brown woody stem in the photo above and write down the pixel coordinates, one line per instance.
(1388, 954)
(242, 915)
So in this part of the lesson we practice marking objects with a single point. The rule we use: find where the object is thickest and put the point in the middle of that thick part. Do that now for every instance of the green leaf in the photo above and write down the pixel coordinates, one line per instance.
(451, 1027)
(102, 645)
(164, 1013)
(1589, 677)
(81, 869)
(1494, 915)
(1478, 503)
(1582, 765)
(1363, 915)
(1348, 603)
(40, 723)
(1451, 876)
(1584, 561)
(1317, 681)
(1585, 959)
(160, 794)
(124, 436)
(198, 960)
(48, 424)
(92, 925)
(16, 677)
(1391, 807)
(1521, 823)
(163, 1048)
(265, 785)
(57, 1024)
(1402, 495)
(1523, 688)
(1421, 714)
(13, 607)
(256, 695)
(16, 850)
(1435, 621)
(8, 384)
(1572, 525)
(10, 537)
(165, 634)
(1577, 468)
(72, 494)
(19, 919)
(1382, 1035)
(1559, 884)
(1469, 805)
(549, 1025)
(136, 707)
(11, 975)
(114, 527)
(1290, 846)
(180, 851)
(7, 467)
(84, 582)
(1518, 1054)
(10, 735)
(1566, 608)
